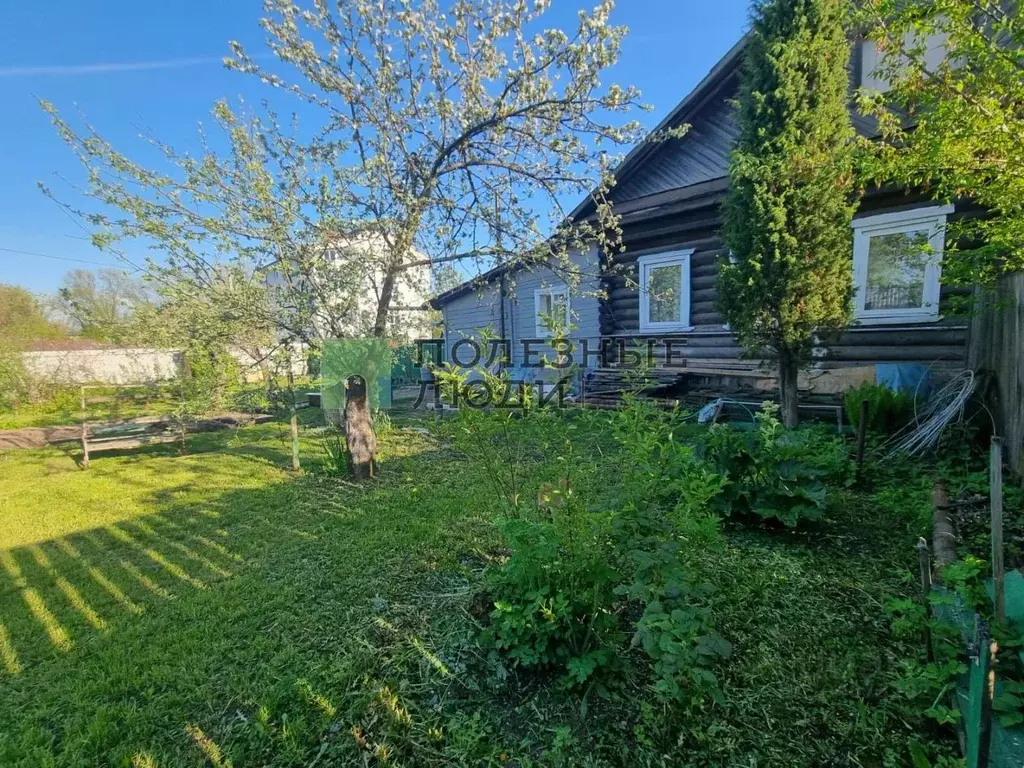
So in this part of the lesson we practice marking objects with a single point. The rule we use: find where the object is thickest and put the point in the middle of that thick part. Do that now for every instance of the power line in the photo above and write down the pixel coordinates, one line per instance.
(59, 258)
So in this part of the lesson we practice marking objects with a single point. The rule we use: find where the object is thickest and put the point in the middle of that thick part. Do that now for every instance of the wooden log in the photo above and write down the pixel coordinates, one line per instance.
(123, 443)
(943, 538)
(893, 354)
(704, 270)
(925, 336)
(704, 282)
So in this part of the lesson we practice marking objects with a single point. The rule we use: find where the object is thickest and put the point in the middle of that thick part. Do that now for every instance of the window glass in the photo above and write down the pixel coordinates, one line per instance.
(553, 305)
(665, 303)
(896, 271)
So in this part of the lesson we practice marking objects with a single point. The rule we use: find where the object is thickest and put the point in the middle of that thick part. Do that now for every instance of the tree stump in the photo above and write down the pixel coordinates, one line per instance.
(359, 437)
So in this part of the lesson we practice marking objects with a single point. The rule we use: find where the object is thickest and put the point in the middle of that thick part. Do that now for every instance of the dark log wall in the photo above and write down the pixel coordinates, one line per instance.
(697, 226)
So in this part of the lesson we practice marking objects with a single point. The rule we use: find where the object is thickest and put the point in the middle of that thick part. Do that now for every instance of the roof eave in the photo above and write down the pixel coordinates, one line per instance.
(725, 66)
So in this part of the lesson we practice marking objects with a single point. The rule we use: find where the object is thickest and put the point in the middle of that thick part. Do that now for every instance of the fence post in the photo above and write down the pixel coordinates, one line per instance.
(294, 421)
(862, 432)
(925, 567)
(85, 435)
(978, 724)
(996, 499)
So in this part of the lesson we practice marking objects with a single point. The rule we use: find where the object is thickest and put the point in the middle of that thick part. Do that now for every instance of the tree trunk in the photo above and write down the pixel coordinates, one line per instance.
(387, 291)
(788, 371)
(359, 437)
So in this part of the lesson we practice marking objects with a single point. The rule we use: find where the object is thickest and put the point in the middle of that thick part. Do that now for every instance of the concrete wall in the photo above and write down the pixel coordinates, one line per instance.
(103, 366)
(135, 366)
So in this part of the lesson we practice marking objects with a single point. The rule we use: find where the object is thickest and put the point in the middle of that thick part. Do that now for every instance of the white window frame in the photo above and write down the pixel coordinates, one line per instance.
(553, 290)
(933, 219)
(668, 259)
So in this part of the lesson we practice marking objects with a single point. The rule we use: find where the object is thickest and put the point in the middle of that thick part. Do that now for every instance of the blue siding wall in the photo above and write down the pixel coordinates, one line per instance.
(466, 315)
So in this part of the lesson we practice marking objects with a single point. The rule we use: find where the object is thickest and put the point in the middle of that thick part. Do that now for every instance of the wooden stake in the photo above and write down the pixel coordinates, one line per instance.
(943, 538)
(862, 432)
(996, 498)
(925, 567)
(85, 436)
(294, 422)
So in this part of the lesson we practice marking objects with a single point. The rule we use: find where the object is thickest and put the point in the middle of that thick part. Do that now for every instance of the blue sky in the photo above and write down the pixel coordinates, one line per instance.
(154, 67)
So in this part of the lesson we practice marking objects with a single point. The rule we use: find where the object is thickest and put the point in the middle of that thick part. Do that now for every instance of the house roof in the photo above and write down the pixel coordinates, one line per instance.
(467, 287)
(633, 161)
(676, 176)
(656, 174)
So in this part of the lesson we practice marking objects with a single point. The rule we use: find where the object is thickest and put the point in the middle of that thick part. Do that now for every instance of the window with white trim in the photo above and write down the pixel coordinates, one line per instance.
(551, 308)
(665, 291)
(897, 265)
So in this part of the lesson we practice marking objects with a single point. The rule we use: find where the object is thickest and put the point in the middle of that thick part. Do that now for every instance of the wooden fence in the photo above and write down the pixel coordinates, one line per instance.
(996, 345)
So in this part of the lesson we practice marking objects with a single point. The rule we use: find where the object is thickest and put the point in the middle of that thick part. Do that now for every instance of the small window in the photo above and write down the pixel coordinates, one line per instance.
(665, 291)
(551, 307)
(897, 265)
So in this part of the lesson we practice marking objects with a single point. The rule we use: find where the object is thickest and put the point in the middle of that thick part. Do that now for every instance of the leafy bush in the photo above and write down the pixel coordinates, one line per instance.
(888, 410)
(13, 380)
(775, 473)
(553, 597)
(335, 459)
(250, 397)
(929, 683)
(591, 562)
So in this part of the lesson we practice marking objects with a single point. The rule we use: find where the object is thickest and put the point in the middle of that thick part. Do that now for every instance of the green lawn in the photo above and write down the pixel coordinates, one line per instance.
(67, 411)
(214, 609)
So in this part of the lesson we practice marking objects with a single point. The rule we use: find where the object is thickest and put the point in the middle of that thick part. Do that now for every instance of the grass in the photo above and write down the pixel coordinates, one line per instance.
(214, 609)
(66, 410)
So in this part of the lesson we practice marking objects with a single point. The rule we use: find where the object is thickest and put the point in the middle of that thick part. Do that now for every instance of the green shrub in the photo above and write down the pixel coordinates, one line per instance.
(554, 596)
(250, 397)
(888, 410)
(335, 459)
(596, 557)
(775, 473)
(13, 380)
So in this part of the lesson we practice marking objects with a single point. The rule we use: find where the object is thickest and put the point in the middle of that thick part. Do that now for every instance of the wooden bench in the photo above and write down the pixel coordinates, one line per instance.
(127, 434)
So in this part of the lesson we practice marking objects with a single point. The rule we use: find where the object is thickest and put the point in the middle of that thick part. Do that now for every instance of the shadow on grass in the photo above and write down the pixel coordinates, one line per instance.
(212, 616)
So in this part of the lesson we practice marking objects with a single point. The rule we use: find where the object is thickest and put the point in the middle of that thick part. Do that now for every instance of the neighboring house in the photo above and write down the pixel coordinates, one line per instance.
(669, 197)
(520, 305)
(358, 260)
(344, 289)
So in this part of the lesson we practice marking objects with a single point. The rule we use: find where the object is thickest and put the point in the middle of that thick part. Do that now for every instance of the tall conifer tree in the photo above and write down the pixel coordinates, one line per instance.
(791, 198)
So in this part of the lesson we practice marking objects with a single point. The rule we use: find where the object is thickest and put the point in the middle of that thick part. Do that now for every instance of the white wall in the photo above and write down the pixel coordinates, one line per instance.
(134, 366)
(103, 366)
